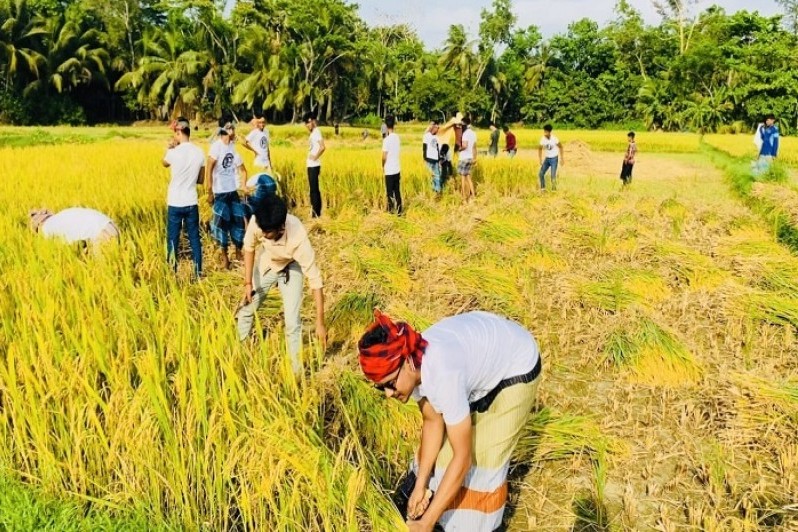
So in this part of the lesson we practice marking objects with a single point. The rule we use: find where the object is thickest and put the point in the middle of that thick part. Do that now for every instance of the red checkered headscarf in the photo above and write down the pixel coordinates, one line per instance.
(402, 342)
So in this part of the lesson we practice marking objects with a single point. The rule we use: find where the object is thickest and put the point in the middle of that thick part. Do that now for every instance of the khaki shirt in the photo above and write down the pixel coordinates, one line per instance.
(294, 245)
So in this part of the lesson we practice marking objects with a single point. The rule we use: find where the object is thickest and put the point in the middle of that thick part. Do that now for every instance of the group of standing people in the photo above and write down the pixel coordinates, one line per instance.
(273, 244)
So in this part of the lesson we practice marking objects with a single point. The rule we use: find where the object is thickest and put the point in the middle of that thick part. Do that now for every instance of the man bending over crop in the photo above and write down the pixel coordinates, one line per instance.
(74, 225)
(474, 377)
(286, 258)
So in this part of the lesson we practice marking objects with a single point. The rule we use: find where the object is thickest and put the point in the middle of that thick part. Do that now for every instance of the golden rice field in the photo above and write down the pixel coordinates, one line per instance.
(667, 316)
(743, 146)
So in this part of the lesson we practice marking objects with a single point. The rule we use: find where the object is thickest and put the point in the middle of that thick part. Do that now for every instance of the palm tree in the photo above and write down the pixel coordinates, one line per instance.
(73, 57)
(21, 31)
(168, 76)
(458, 52)
(653, 102)
(498, 86)
(536, 68)
(707, 112)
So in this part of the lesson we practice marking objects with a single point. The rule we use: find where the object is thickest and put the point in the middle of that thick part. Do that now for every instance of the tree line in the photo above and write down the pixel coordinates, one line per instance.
(89, 61)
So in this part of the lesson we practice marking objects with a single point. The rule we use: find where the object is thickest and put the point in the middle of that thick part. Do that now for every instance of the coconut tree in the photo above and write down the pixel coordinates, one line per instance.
(73, 56)
(168, 75)
(21, 32)
(458, 52)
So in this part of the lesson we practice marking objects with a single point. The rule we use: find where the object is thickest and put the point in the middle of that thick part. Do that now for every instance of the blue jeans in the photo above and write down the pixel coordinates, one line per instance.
(549, 162)
(435, 170)
(175, 219)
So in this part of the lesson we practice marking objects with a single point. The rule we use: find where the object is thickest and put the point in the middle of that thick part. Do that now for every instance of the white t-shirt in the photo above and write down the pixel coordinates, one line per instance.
(259, 140)
(433, 151)
(185, 161)
(469, 140)
(467, 356)
(392, 146)
(76, 224)
(314, 148)
(225, 171)
(550, 148)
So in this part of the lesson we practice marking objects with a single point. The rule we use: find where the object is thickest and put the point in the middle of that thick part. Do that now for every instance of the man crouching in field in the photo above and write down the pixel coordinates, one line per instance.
(474, 377)
(75, 225)
(286, 258)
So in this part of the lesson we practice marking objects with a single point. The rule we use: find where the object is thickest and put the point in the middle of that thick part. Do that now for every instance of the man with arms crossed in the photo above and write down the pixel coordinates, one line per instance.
(258, 143)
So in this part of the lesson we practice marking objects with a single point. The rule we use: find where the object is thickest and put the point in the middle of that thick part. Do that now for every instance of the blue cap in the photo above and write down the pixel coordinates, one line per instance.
(264, 182)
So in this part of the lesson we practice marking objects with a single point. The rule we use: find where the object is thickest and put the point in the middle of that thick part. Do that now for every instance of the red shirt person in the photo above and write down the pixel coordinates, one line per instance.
(509, 138)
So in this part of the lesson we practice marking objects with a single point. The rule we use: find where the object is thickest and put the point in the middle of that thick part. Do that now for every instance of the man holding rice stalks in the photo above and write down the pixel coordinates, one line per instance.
(474, 377)
(285, 259)
(227, 221)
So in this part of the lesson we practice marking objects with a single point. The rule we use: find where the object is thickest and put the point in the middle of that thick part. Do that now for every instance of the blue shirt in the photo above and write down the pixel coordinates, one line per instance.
(770, 141)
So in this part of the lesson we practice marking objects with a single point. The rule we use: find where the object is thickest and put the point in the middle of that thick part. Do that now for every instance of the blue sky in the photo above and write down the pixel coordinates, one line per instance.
(432, 18)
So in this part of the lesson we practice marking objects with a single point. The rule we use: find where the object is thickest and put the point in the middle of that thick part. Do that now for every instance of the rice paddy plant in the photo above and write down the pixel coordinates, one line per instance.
(495, 289)
(783, 395)
(610, 296)
(652, 354)
(743, 146)
(620, 289)
(503, 230)
(552, 435)
(379, 265)
(454, 240)
(387, 432)
(689, 267)
(773, 309)
(676, 212)
(352, 310)
(124, 390)
(541, 258)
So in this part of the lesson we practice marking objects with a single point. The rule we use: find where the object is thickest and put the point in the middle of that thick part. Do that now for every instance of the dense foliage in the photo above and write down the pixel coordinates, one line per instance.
(109, 60)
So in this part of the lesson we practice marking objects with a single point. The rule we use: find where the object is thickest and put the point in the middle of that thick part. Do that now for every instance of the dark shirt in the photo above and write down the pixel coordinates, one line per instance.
(494, 141)
(510, 139)
(770, 141)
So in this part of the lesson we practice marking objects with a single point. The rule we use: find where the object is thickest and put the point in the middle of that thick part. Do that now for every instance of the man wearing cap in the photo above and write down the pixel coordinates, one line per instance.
(474, 377)
(186, 161)
(224, 165)
(258, 142)
(258, 187)
(285, 258)
(74, 225)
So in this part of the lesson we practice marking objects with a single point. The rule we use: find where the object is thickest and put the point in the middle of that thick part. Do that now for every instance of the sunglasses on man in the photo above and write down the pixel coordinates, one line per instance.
(391, 384)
